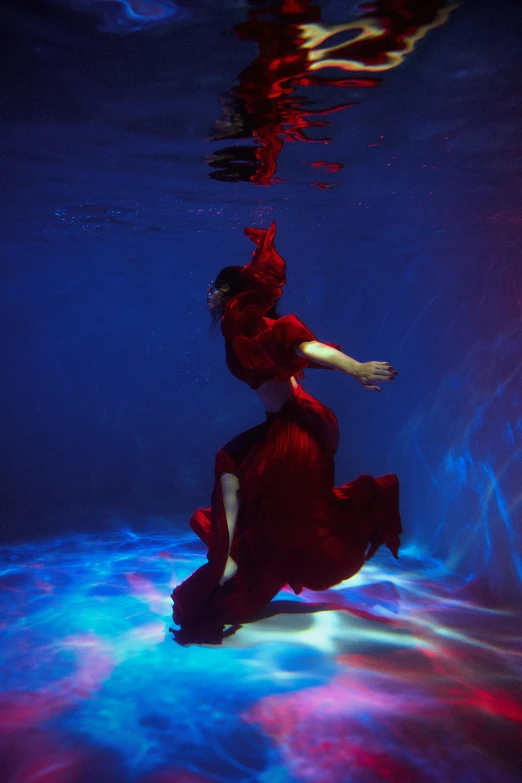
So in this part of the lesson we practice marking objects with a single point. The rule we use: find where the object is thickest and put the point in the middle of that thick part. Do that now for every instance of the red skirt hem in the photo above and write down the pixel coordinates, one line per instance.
(294, 527)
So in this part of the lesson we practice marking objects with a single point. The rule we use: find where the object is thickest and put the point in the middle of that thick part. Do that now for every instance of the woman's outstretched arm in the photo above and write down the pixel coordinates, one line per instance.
(367, 373)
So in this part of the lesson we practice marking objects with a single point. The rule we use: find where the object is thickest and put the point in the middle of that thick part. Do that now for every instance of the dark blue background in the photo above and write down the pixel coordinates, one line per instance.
(113, 397)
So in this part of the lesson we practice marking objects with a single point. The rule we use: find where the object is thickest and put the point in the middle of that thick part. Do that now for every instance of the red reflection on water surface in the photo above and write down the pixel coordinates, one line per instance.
(292, 43)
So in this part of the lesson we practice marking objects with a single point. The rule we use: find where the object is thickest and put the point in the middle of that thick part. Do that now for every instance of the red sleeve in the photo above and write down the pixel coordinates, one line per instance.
(264, 277)
(289, 330)
(267, 267)
(256, 344)
(286, 333)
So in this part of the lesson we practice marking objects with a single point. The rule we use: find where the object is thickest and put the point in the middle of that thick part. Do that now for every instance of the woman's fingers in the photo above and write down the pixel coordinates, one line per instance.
(384, 370)
(376, 371)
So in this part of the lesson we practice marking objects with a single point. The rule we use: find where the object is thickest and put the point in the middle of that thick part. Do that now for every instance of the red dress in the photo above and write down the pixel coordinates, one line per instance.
(293, 527)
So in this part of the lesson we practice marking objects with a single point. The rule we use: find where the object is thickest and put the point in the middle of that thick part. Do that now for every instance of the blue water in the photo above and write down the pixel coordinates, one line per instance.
(402, 235)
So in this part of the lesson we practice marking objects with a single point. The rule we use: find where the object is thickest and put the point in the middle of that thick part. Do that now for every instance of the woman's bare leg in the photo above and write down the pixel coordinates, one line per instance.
(230, 492)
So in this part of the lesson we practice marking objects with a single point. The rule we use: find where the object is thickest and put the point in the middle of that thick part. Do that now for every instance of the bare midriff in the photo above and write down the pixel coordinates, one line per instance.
(274, 394)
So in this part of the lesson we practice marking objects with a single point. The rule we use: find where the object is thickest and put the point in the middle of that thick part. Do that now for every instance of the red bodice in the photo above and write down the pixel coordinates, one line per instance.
(258, 348)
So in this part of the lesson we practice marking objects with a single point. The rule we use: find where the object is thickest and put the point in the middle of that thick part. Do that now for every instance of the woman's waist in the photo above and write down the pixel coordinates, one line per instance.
(274, 394)
(305, 411)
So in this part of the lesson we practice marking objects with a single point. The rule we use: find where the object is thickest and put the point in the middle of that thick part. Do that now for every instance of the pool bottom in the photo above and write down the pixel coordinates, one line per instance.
(400, 674)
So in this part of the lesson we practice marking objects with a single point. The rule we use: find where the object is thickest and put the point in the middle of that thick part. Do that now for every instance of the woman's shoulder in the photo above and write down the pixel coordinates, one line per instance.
(289, 329)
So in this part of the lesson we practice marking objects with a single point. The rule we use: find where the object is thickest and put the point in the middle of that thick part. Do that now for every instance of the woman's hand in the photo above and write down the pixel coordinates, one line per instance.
(370, 373)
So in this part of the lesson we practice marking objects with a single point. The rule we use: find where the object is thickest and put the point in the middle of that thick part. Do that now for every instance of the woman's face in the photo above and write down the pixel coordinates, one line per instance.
(216, 296)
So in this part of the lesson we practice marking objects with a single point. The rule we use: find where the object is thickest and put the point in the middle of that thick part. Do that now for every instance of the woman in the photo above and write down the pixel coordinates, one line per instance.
(276, 517)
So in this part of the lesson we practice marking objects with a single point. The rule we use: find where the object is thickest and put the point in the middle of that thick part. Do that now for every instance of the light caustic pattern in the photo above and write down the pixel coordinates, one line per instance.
(397, 675)
(475, 496)
(126, 16)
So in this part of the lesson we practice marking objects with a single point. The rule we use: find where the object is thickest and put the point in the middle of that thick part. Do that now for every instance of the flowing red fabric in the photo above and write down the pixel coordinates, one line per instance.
(258, 348)
(294, 527)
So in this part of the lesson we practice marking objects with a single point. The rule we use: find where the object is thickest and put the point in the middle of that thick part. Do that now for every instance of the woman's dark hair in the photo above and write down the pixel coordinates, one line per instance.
(232, 276)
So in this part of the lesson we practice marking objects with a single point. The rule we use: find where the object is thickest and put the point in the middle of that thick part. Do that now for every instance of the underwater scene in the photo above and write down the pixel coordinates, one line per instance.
(168, 442)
